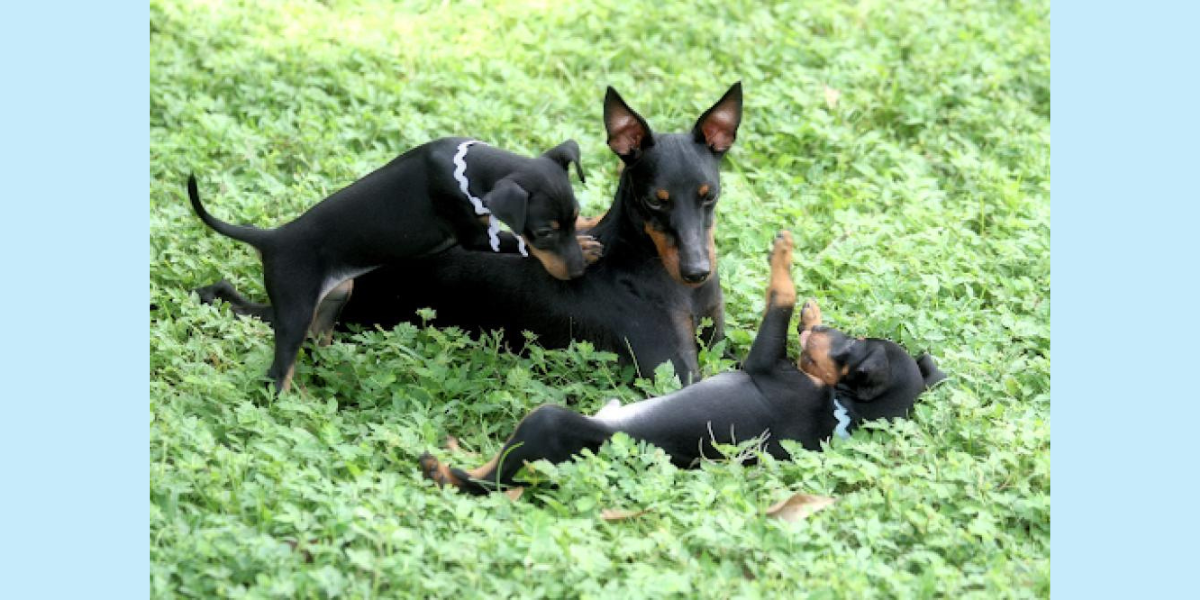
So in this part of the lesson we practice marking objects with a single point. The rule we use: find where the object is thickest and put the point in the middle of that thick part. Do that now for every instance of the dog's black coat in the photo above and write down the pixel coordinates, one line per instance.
(410, 207)
(643, 300)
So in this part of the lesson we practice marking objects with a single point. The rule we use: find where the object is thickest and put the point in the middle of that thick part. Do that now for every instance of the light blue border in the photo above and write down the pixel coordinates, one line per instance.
(1126, 263)
(1125, 248)
(73, 208)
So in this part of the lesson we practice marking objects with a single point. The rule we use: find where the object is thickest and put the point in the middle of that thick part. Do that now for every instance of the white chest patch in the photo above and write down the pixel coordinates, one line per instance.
(460, 175)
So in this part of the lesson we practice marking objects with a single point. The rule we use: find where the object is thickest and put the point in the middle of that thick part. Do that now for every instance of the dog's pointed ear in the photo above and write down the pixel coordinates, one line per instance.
(929, 370)
(717, 127)
(508, 201)
(628, 133)
(869, 373)
(566, 154)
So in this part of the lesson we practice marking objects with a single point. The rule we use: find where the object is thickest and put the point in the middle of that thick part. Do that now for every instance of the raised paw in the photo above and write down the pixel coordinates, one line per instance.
(781, 292)
(810, 315)
(591, 247)
(781, 251)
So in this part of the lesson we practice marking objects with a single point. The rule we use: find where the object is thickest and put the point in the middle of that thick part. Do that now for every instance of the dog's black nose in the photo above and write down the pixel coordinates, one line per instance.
(694, 276)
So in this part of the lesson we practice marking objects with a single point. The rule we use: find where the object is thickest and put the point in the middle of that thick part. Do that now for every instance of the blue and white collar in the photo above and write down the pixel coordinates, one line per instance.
(843, 418)
(460, 175)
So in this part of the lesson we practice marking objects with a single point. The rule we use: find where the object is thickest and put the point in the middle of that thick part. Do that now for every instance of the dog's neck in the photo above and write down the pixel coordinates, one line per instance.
(459, 165)
(621, 229)
(842, 415)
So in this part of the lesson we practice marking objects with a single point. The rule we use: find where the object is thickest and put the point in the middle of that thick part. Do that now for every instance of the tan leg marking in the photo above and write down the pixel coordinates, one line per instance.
(552, 262)
(479, 472)
(781, 292)
(287, 379)
(810, 315)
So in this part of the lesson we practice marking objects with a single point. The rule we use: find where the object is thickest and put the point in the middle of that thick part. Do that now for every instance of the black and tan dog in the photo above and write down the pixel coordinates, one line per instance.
(438, 194)
(643, 301)
(838, 382)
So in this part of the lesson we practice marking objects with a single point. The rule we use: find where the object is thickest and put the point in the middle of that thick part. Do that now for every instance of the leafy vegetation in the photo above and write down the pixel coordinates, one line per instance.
(906, 145)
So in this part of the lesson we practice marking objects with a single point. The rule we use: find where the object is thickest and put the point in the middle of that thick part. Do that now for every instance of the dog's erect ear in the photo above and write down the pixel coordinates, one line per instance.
(565, 154)
(869, 373)
(628, 133)
(929, 371)
(508, 202)
(717, 127)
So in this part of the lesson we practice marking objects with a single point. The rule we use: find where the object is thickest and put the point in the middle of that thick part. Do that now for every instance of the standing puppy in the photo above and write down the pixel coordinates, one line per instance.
(645, 301)
(444, 192)
(839, 382)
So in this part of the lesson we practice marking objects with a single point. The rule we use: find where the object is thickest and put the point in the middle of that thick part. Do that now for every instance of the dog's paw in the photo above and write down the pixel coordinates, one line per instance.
(591, 247)
(211, 293)
(439, 473)
(781, 250)
(810, 315)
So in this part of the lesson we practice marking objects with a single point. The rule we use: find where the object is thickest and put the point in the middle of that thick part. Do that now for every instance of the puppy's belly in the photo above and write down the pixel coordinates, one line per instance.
(727, 408)
(340, 275)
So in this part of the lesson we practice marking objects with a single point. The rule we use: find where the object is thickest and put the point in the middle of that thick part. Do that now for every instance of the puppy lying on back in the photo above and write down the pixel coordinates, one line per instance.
(838, 382)
(446, 192)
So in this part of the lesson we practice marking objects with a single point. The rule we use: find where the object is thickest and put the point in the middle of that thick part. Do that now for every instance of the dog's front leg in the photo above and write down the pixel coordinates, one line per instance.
(770, 345)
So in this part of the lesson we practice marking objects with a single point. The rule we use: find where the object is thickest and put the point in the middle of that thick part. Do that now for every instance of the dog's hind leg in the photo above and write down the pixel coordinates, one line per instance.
(549, 432)
(295, 301)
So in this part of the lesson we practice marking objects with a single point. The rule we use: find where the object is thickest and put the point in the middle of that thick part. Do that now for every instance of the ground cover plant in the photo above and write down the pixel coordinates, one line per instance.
(905, 144)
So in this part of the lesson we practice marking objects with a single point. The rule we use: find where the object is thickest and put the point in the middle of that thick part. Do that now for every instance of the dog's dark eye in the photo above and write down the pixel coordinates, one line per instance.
(656, 204)
(544, 232)
(709, 200)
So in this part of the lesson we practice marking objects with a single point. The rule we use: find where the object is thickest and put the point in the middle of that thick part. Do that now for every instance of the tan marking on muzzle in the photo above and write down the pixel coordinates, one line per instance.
(553, 263)
(667, 251)
(815, 360)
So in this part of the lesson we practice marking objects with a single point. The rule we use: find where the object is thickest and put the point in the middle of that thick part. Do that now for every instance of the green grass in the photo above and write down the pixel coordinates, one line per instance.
(920, 207)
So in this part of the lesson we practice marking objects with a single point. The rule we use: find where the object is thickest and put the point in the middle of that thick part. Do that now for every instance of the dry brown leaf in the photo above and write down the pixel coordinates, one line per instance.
(831, 97)
(514, 493)
(452, 444)
(799, 506)
(620, 514)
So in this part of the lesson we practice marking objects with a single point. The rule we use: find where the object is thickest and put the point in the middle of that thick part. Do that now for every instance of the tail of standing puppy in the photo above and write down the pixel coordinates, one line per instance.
(251, 235)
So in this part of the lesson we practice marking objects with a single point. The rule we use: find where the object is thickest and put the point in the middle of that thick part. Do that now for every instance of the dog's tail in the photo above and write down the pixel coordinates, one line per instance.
(251, 235)
(929, 370)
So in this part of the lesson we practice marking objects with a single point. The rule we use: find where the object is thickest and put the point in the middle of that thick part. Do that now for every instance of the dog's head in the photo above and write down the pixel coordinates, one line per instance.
(867, 370)
(672, 180)
(539, 204)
